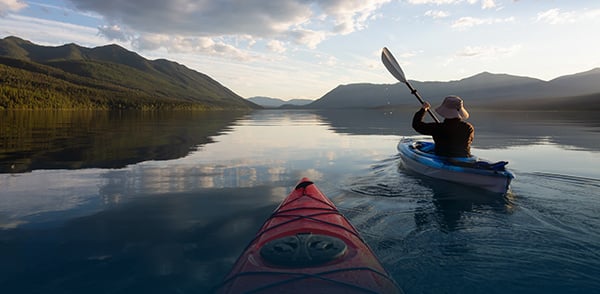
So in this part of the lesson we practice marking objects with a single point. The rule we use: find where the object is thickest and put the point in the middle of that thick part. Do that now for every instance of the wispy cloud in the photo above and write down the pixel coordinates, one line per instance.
(408, 54)
(467, 22)
(482, 54)
(330, 61)
(308, 38)
(276, 46)
(436, 14)
(39, 29)
(485, 4)
(64, 10)
(487, 51)
(488, 4)
(555, 16)
(436, 2)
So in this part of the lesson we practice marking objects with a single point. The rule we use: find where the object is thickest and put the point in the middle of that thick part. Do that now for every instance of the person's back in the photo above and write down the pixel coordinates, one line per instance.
(453, 136)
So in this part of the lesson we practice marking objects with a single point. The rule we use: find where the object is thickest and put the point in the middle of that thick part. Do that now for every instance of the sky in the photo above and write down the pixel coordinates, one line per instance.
(302, 49)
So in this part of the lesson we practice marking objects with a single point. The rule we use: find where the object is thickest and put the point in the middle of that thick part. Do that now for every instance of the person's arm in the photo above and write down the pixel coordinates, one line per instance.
(418, 124)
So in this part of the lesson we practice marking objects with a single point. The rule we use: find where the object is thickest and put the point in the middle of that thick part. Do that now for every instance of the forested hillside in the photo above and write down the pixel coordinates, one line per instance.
(108, 77)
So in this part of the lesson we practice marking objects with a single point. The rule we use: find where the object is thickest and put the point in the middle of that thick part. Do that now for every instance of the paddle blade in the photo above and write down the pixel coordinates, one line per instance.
(392, 65)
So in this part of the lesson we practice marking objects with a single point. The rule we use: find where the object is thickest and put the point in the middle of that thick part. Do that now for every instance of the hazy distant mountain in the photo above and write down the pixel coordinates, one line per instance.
(276, 102)
(481, 90)
(71, 76)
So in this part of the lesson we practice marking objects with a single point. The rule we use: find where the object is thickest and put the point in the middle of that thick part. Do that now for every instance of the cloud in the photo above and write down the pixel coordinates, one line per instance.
(11, 5)
(436, 2)
(482, 54)
(49, 32)
(485, 4)
(350, 15)
(276, 46)
(408, 54)
(304, 22)
(113, 32)
(488, 4)
(555, 16)
(192, 45)
(487, 51)
(308, 37)
(437, 13)
(330, 61)
(467, 22)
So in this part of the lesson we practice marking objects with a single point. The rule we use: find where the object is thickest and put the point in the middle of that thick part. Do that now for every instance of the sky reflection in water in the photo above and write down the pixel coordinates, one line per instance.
(172, 223)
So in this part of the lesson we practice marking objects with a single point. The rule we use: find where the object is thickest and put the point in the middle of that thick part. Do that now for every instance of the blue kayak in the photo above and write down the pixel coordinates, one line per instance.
(418, 156)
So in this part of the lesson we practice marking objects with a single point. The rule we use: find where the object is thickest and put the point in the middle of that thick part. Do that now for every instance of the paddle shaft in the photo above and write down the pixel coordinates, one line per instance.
(394, 68)
(414, 92)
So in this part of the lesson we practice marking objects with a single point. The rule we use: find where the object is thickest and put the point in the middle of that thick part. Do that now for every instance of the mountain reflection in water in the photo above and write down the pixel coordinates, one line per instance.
(31, 140)
(100, 202)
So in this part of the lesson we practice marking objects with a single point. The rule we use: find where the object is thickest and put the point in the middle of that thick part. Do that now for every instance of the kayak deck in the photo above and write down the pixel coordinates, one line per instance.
(418, 157)
(307, 246)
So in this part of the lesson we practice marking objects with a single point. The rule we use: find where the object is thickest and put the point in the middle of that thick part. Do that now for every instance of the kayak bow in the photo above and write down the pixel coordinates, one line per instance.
(418, 157)
(307, 246)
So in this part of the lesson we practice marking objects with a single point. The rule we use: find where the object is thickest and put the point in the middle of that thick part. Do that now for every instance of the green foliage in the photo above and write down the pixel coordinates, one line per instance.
(73, 139)
(109, 77)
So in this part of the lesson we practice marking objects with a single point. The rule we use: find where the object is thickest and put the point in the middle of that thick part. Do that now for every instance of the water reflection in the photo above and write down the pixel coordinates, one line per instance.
(493, 130)
(181, 241)
(177, 225)
(452, 204)
(50, 197)
(436, 203)
(31, 140)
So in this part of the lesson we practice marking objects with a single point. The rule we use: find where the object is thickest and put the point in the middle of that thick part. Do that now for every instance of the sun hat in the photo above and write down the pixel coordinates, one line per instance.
(452, 107)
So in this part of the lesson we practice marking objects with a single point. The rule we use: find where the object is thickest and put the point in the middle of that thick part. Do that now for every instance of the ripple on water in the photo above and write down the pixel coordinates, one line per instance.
(439, 237)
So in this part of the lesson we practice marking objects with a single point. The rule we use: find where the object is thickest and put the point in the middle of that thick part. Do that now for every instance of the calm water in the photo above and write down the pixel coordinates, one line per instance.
(99, 202)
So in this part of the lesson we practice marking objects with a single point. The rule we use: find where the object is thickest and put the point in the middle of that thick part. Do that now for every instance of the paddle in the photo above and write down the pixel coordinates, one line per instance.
(394, 68)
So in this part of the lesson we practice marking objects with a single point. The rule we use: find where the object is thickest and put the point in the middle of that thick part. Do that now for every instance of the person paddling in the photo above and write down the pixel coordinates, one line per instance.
(453, 136)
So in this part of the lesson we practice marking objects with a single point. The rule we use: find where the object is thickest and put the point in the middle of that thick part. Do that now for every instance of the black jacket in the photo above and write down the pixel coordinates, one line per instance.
(452, 137)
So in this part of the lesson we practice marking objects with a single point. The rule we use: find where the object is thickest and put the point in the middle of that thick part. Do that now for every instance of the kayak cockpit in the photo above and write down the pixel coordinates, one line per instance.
(419, 157)
(428, 149)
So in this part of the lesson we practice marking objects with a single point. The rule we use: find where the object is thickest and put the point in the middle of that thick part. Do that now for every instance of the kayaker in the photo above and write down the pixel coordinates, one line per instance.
(454, 135)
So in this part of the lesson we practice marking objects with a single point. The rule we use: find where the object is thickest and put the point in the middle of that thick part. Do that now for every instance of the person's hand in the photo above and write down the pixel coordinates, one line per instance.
(426, 106)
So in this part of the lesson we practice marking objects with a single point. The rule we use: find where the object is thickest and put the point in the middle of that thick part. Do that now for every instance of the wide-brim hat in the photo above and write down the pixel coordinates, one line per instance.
(452, 107)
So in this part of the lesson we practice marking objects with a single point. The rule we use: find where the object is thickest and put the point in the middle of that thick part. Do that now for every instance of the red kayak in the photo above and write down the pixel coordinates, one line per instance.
(308, 246)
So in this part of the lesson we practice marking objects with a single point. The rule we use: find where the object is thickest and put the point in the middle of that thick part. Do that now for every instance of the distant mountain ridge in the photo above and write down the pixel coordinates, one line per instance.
(111, 77)
(103, 77)
(276, 102)
(486, 89)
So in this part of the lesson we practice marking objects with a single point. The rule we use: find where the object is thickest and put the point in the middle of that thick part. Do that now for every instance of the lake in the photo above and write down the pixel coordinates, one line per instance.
(164, 202)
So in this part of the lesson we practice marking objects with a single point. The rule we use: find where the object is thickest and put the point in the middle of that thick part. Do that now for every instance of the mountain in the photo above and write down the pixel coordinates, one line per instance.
(585, 82)
(111, 77)
(105, 77)
(484, 90)
(276, 102)
(358, 96)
